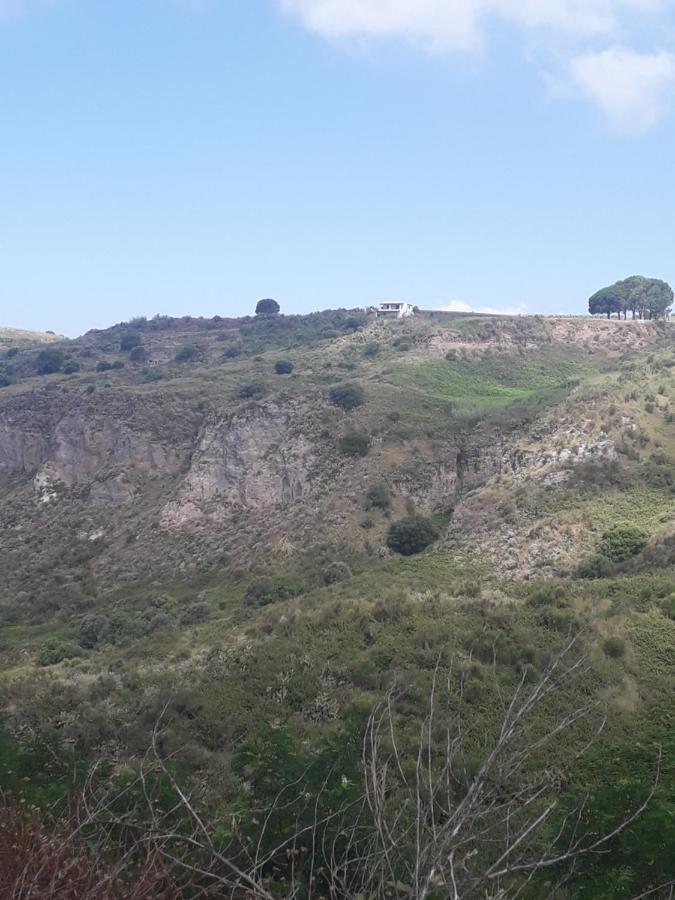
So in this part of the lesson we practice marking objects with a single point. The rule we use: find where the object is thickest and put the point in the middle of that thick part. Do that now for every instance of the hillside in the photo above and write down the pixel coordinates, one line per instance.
(196, 530)
(17, 337)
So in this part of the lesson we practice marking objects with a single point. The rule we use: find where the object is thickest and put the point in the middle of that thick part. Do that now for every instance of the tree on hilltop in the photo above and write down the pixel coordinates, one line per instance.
(267, 307)
(644, 298)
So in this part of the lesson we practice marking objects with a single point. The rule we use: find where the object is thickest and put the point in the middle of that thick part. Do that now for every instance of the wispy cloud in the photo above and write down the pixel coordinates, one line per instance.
(631, 89)
(461, 306)
(624, 84)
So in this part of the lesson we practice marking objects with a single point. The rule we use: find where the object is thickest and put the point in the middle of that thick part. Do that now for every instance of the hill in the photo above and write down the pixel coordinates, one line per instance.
(17, 337)
(204, 534)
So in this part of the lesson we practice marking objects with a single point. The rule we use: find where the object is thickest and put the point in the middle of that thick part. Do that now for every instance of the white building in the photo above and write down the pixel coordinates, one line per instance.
(394, 309)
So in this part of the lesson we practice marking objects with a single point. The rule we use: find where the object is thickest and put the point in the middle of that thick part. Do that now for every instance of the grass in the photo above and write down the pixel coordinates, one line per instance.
(17, 337)
(491, 384)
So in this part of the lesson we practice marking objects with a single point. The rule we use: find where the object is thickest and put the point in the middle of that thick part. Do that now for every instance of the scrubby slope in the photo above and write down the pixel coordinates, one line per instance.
(170, 529)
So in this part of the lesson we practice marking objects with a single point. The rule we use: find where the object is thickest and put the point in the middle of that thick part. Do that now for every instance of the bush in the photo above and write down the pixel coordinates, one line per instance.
(5, 380)
(103, 366)
(372, 349)
(614, 647)
(411, 535)
(283, 367)
(186, 353)
(265, 591)
(12, 352)
(336, 572)
(118, 364)
(378, 496)
(130, 340)
(355, 444)
(138, 355)
(70, 367)
(94, 630)
(232, 352)
(53, 652)
(253, 391)
(196, 614)
(595, 567)
(622, 542)
(347, 396)
(668, 606)
(49, 361)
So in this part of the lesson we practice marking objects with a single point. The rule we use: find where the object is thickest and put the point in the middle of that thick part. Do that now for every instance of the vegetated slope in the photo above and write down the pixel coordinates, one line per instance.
(188, 535)
(18, 337)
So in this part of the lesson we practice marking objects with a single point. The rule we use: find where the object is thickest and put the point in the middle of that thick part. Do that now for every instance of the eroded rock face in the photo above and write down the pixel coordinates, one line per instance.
(105, 448)
(260, 458)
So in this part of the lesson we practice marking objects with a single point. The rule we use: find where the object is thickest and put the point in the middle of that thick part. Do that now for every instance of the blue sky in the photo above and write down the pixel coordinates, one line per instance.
(190, 157)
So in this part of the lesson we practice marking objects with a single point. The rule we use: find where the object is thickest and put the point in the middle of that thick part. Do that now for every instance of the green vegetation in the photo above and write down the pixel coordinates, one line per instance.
(347, 396)
(267, 308)
(283, 367)
(355, 443)
(220, 581)
(645, 298)
(622, 542)
(411, 535)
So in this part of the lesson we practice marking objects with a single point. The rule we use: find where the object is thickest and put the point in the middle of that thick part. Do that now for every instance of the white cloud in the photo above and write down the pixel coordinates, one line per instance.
(458, 24)
(631, 89)
(461, 306)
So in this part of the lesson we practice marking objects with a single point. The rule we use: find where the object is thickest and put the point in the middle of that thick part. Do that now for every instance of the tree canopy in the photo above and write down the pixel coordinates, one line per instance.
(644, 298)
(267, 307)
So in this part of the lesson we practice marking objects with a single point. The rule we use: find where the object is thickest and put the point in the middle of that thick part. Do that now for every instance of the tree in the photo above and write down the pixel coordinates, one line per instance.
(411, 535)
(267, 308)
(647, 298)
(605, 302)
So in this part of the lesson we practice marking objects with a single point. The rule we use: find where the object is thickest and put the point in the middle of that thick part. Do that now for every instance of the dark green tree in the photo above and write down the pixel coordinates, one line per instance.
(267, 308)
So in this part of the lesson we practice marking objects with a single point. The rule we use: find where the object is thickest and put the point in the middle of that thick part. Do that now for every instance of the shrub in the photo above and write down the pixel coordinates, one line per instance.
(347, 396)
(265, 591)
(355, 444)
(411, 535)
(595, 567)
(372, 349)
(622, 542)
(138, 355)
(49, 361)
(378, 496)
(12, 352)
(5, 380)
(283, 367)
(53, 652)
(231, 352)
(94, 630)
(103, 366)
(196, 614)
(70, 367)
(130, 340)
(335, 572)
(118, 364)
(352, 324)
(614, 647)
(186, 353)
(253, 391)
(668, 606)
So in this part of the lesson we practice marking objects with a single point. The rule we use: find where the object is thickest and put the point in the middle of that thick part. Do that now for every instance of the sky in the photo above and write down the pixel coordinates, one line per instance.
(192, 156)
